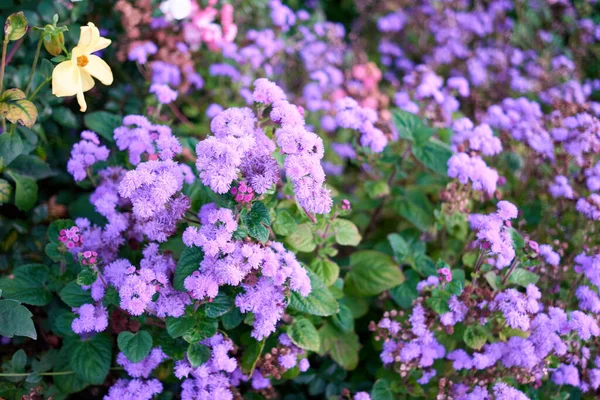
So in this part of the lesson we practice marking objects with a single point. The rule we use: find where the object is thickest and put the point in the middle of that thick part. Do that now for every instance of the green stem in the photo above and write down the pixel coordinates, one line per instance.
(4, 46)
(42, 374)
(34, 66)
(38, 88)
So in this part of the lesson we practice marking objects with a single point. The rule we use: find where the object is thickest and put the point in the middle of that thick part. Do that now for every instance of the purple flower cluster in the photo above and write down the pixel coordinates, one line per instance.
(264, 270)
(493, 234)
(144, 368)
(85, 154)
(91, 318)
(134, 389)
(351, 116)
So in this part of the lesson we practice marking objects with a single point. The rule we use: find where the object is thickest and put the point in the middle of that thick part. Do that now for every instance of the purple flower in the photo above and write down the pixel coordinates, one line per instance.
(164, 93)
(141, 52)
(134, 389)
(142, 369)
(85, 154)
(90, 318)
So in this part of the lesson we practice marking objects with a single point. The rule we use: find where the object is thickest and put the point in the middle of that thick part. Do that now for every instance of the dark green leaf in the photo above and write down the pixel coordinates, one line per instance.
(86, 276)
(135, 346)
(220, 305)
(11, 147)
(15, 320)
(74, 295)
(382, 391)
(90, 358)
(103, 123)
(343, 320)
(439, 301)
(257, 221)
(26, 192)
(198, 354)
(177, 327)
(27, 285)
(304, 334)
(343, 347)
(251, 356)
(189, 261)
(434, 155)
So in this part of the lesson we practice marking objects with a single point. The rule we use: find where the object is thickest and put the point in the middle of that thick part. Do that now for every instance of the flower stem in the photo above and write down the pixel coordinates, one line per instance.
(4, 46)
(513, 266)
(34, 66)
(37, 90)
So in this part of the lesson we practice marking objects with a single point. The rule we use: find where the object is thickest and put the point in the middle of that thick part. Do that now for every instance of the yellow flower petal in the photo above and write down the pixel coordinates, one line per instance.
(90, 40)
(64, 79)
(99, 69)
(87, 82)
(80, 96)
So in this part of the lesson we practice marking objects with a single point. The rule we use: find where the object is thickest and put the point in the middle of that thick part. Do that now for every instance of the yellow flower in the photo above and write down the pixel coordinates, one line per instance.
(74, 76)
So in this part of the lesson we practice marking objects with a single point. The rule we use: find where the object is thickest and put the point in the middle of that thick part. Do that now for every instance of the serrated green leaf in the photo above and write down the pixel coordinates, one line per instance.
(74, 296)
(302, 239)
(382, 390)
(251, 356)
(343, 320)
(284, 223)
(103, 123)
(220, 305)
(342, 347)
(371, 273)
(319, 302)
(325, 269)
(135, 346)
(31, 166)
(475, 336)
(90, 358)
(346, 233)
(197, 354)
(257, 220)
(522, 277)
(177, 327)
(15, 320)
(27, 285)
(304, 334)
(434, 155)
(189, 261)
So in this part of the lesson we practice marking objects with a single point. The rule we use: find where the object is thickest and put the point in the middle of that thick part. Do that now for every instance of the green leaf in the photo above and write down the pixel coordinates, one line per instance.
(90, 358)
(220, 305)
(177, 327)
(15, 107)
(522, 277)
(439, 301)
(401, 248)
(251, 356)
(19, 361)
(55, 228)
(74, 296)
(15, 320)
(5, 190)
(377, 189)
(405, 293)
(346, 233)
(203, 330)
(86, 276)
(27, 285)
(408, 124)
(434, 155)
(64, 117)
(326, 269)
(31, 166)
(197, 354)
(302, 239)
(26, 192)
(493, 279)
(371, 273)
(257, 221)
(320, 301)
(11, 147)
(135, 346)
(69, 383)
(417, 209)
(304, 334)
(103, 123)
(189, 261)
(284, 224)
(15, 26)
(382, 390)
(344, 319)
(475, 336)
(46, 68)
(342, 347)
(232, 319)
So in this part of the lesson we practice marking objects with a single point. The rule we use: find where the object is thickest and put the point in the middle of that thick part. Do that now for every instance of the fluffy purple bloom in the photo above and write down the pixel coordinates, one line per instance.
(85, 154)
(351, 116)
(134, 389)
(90, 318)
(213, 110)
(144, 368)
(164, 93)
(267, 92)
(561, 187)
(492, 232)
(362, 396)
(504, 392)
(550, 256)
(141, 52)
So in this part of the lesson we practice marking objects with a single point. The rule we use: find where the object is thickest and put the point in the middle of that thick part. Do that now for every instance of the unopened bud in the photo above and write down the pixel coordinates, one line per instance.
(53, 40)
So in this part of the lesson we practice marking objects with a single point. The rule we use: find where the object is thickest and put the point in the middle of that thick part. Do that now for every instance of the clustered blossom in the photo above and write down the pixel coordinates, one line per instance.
(144, 368)
(85, 154)
(493, 233)
(351, 116)
(264, 272)
(71, 237)
(134, 389)
(140, 137)
(91, 318)
(164, 94)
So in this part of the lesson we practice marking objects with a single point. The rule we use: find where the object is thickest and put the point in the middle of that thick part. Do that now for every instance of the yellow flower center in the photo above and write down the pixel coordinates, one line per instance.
(82, 61)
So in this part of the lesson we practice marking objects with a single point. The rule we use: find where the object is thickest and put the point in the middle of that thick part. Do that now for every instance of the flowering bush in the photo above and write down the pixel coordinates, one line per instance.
(258, 202)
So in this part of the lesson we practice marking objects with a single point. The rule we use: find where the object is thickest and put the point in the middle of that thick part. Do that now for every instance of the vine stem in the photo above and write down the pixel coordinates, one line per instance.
(510, 271)
(34, 65)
